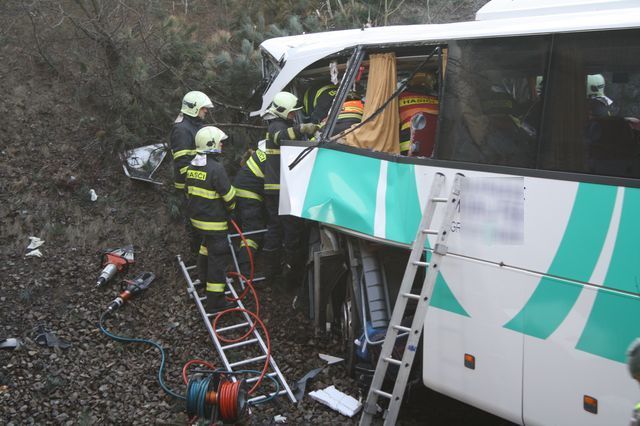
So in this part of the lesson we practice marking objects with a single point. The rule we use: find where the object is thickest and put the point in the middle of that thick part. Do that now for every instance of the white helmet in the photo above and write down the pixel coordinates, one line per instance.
(595, 86)
(283, 103)
(209, 140)
(193, 101)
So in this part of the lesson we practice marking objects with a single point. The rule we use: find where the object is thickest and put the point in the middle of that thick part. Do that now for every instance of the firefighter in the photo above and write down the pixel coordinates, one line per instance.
(182, 139)
(210, 199)
(598, 104)
(633, 355)
(317, 102)
(249, 185)
(350, 114)
(286, 229)
(418, 100)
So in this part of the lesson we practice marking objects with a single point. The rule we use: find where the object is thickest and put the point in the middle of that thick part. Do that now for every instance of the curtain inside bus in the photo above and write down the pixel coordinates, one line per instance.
(381, 133)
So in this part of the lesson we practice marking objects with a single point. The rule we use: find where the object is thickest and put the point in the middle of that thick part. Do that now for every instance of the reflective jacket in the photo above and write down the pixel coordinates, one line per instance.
(317, 101)
(210, 195)
(635, 416)
(183, 145)
(279, 130)
(350, 114)
(249, 182)
(412, 103)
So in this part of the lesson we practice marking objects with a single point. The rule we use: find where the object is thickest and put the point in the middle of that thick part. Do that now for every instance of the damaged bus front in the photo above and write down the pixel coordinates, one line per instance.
(541, 114)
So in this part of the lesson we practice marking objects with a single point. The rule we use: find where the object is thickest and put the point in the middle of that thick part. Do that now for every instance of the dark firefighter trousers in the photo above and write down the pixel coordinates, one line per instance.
(212, 263)
(284, 231)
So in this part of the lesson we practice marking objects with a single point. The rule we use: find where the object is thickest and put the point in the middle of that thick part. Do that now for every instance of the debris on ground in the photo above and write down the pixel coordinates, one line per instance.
(45, 337)
(339, 401)
(10, 343)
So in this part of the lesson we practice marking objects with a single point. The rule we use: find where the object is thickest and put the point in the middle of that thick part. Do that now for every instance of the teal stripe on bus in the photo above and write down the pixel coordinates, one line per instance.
(575, 258)
(403, 212)
(342, 190)
(615, 318)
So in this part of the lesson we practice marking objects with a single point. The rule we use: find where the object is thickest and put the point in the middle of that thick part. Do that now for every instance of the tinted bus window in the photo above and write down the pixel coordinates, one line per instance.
(491, 105)
(592, 116)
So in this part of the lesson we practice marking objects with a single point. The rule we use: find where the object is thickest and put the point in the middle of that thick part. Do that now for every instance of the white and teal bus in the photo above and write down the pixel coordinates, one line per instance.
(538, 108)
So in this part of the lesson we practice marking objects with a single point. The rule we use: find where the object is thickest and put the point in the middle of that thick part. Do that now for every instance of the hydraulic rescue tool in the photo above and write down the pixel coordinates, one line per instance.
(113, 261)
(130, 288)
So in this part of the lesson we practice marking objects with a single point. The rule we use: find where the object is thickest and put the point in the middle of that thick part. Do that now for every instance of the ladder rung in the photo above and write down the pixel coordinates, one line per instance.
(255, 379)
(247, 361)
(402, 328)
(239, 344)
(196, 282)
(439, 199)
(430, 231)
(230, 327)
(382, 393)
(188, 268)
(261, 397)
(393, 361)
(419, 263)
(411, 296)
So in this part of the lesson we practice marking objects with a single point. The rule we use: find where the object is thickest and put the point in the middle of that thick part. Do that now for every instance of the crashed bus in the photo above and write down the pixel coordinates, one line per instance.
(541, 283)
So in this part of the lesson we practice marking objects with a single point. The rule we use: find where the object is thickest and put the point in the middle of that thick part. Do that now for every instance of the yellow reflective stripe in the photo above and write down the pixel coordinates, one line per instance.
(183, 152)
(215, 287)
(406, 126)
(350, 115)
(405, 146)
(184, 170)
(203, 251)
(272, 151)
(254, 168)
(291, 132)
(269, 186)
(209, 226)
(179, 185)
(204, 193)
(229, 195)
(320, 92)
(232, 206)
(250, 243)
(248, 194)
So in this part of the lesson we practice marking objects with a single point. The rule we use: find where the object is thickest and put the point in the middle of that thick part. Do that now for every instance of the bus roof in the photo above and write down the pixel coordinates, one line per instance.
(505, 9)
(295, 53)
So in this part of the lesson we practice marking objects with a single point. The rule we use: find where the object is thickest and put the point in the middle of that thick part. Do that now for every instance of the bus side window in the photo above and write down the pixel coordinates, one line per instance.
(487, 101)
(592, 118)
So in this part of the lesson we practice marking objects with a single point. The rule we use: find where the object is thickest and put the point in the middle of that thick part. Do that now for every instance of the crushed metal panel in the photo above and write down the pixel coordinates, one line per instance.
(142, 162)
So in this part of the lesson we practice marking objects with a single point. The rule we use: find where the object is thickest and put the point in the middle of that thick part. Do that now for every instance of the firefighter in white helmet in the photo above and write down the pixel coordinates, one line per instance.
(286, 229)
(211, 198)
(195, 106)
(598, 104)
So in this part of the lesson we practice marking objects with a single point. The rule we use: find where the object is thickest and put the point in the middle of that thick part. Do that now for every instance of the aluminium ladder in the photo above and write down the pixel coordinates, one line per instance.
(225, 349)
(404, 295)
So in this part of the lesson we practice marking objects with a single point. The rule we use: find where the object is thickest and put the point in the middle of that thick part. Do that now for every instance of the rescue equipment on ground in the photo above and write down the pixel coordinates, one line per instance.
(114, 261)
(241, 319)
(213, 394)
(131, 288)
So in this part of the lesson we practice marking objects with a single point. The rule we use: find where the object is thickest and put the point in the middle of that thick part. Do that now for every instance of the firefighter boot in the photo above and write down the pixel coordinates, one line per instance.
(216, 302)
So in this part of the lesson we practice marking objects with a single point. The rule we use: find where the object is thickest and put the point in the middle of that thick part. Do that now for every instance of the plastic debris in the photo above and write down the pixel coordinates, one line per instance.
(330, 359)
(45, 337)
(336, 400)
(35, 243)
(301, 385)
(34, 253)
(93, 195)
(10, 343)
(279, 419)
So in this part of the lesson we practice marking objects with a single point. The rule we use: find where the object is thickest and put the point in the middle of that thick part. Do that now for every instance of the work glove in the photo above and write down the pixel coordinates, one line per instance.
(309, 129)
